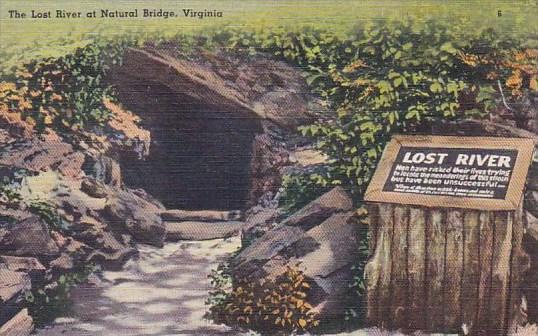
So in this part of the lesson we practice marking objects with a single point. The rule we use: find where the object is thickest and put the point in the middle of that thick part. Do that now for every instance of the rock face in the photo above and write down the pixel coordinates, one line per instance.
(227, 114)
(41, 153)
(20, 325)
(31, 237)
(12, 287)
(320, 209)
(12, 284)
(93, 188)
(258, 223)
(322, 241)
(136, 215)
(248, 85)
(30, 266)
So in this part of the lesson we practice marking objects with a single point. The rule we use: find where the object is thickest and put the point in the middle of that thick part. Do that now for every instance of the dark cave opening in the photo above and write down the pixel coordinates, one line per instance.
(200, 155)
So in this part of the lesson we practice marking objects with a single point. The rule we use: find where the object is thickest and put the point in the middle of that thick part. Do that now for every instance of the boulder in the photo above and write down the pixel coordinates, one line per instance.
(93, 188)
(127, 211)
(325, 254)
(89, 231)
(109, 243)
(191, 230)
(13, 284)
(269, 157)
(336, 200)
(264, 249)
(31, 266)
(104, 169)
(75, 248)
(30, 238)
(107, 251)
(258, 223)
(19, 325)
(13, 215)
(199, 216)
(43, 153)
(148, 198)
(113, 261)
(64, 263)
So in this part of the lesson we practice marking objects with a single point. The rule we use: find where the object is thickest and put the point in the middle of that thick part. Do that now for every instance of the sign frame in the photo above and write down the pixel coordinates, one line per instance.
(514, 193)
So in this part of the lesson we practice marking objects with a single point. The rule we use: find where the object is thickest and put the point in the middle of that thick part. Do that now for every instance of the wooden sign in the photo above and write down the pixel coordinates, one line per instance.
(445, 171)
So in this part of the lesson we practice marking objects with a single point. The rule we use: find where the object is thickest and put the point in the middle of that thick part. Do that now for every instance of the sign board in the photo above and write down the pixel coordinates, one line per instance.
(446, 171)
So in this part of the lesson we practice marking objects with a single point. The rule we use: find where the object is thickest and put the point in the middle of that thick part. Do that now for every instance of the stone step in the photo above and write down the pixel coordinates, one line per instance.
(196, 230)
(200, 215)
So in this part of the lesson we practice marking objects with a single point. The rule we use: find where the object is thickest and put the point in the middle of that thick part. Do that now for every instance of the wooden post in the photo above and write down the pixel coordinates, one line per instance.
(447, 228)
(440, 269)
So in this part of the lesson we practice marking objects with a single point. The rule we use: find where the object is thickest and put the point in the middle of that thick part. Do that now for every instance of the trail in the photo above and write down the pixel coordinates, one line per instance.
(160, 293)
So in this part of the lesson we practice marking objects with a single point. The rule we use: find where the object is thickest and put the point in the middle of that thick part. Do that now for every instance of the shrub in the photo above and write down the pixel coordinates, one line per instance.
(49, 213)
(391, 77)
(269, 306)
(64, 93)
(9, 193)
(299, 188)
(53, 300)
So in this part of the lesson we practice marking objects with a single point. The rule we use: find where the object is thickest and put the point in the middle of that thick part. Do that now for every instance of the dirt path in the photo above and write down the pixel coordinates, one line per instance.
(161, 293)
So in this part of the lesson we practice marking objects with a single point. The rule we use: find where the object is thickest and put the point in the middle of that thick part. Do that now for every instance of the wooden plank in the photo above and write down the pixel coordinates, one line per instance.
(519, 266)
(416, 268)
(399, 277)
(500, 276)
(387, 224)
(453, 271)
(378, 270)
(484, 285)
(435, 251)
(372, 275)
(373, 215)
(471, 270)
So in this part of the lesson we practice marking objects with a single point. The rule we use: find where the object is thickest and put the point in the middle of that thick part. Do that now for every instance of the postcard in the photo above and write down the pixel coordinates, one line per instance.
(252, 167)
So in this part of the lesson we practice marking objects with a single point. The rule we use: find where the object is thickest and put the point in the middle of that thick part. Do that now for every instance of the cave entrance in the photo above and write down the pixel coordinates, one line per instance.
(200, 154)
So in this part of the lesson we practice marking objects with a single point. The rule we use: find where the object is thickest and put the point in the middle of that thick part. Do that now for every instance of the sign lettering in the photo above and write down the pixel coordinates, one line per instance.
(443, 171)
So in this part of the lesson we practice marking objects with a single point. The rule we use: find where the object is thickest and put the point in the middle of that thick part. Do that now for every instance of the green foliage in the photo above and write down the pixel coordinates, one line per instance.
(45, 304)
(396, 79)
(48, 213)
(388, 77)
(66, 93)
(269, 306)
(300, 188)
(221, 281)
(9, 193)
